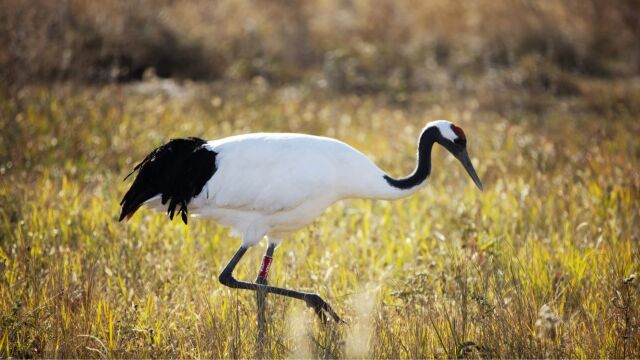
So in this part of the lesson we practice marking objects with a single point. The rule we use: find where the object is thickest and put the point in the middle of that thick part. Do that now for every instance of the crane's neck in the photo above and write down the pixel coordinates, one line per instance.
(423, 168)
(373, 183)
(392, 188)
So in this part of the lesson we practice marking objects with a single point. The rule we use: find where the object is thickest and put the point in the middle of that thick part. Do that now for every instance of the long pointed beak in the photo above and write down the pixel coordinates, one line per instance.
(463, 156)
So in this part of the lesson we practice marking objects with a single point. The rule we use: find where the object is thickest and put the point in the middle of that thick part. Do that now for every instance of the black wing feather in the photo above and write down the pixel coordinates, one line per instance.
(177, 170)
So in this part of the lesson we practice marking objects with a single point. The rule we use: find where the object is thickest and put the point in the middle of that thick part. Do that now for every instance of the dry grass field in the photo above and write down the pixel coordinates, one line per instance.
(545, 263)
(537, 265)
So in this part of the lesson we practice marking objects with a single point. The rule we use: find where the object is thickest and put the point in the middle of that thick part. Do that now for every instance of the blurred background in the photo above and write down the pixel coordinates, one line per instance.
(343, 45)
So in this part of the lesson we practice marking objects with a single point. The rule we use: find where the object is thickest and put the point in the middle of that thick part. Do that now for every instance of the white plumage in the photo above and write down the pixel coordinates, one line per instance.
(271, 185)
(274, 184)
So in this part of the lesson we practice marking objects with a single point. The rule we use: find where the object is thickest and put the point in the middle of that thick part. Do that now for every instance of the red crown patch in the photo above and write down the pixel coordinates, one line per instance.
(458, 131)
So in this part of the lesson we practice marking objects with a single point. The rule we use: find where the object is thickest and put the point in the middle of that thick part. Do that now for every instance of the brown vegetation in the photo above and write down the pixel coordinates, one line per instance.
(360, 45)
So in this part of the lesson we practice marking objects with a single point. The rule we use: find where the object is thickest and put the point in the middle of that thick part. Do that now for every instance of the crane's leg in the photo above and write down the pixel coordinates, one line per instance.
(261, 294)
(312, 300)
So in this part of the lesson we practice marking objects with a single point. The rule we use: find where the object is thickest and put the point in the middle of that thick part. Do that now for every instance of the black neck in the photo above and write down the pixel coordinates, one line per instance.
(423, 169)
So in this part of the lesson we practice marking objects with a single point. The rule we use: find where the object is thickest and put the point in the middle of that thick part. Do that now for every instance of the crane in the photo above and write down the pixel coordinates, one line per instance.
(272, 184)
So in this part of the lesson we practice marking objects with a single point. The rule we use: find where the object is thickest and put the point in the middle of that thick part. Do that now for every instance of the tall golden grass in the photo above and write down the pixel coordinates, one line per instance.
(540, 264)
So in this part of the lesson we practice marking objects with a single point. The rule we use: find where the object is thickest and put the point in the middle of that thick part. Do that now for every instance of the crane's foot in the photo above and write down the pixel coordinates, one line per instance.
(321, 308)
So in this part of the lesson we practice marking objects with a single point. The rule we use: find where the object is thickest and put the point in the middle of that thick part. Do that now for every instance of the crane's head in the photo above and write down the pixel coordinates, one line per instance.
(452, 138)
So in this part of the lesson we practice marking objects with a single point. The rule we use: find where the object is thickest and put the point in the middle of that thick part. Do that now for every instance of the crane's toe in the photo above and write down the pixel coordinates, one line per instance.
(321, 308)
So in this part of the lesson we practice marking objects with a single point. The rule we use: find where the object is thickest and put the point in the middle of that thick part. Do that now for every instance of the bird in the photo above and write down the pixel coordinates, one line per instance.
(273, 184)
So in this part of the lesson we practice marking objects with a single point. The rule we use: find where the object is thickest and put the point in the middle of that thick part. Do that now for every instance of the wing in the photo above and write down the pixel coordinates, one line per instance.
(270, 177)
(174, 173)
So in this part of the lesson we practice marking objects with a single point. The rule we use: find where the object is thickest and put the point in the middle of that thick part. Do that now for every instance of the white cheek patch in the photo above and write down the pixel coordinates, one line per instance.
(445, 129)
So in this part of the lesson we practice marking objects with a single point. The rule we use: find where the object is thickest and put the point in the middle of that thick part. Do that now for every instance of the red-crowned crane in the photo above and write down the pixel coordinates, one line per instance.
(269, 184)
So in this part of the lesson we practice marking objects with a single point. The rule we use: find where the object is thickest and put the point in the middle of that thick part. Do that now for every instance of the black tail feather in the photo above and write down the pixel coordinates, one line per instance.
(177, 170)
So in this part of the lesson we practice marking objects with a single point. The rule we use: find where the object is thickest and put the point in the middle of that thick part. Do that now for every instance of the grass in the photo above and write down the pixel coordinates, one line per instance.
(534, 266)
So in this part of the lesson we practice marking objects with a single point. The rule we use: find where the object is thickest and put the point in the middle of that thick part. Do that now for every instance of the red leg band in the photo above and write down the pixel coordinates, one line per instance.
(264, 268)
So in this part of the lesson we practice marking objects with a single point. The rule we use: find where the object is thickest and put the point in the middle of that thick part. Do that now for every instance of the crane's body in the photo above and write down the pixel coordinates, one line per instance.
(272, 184)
